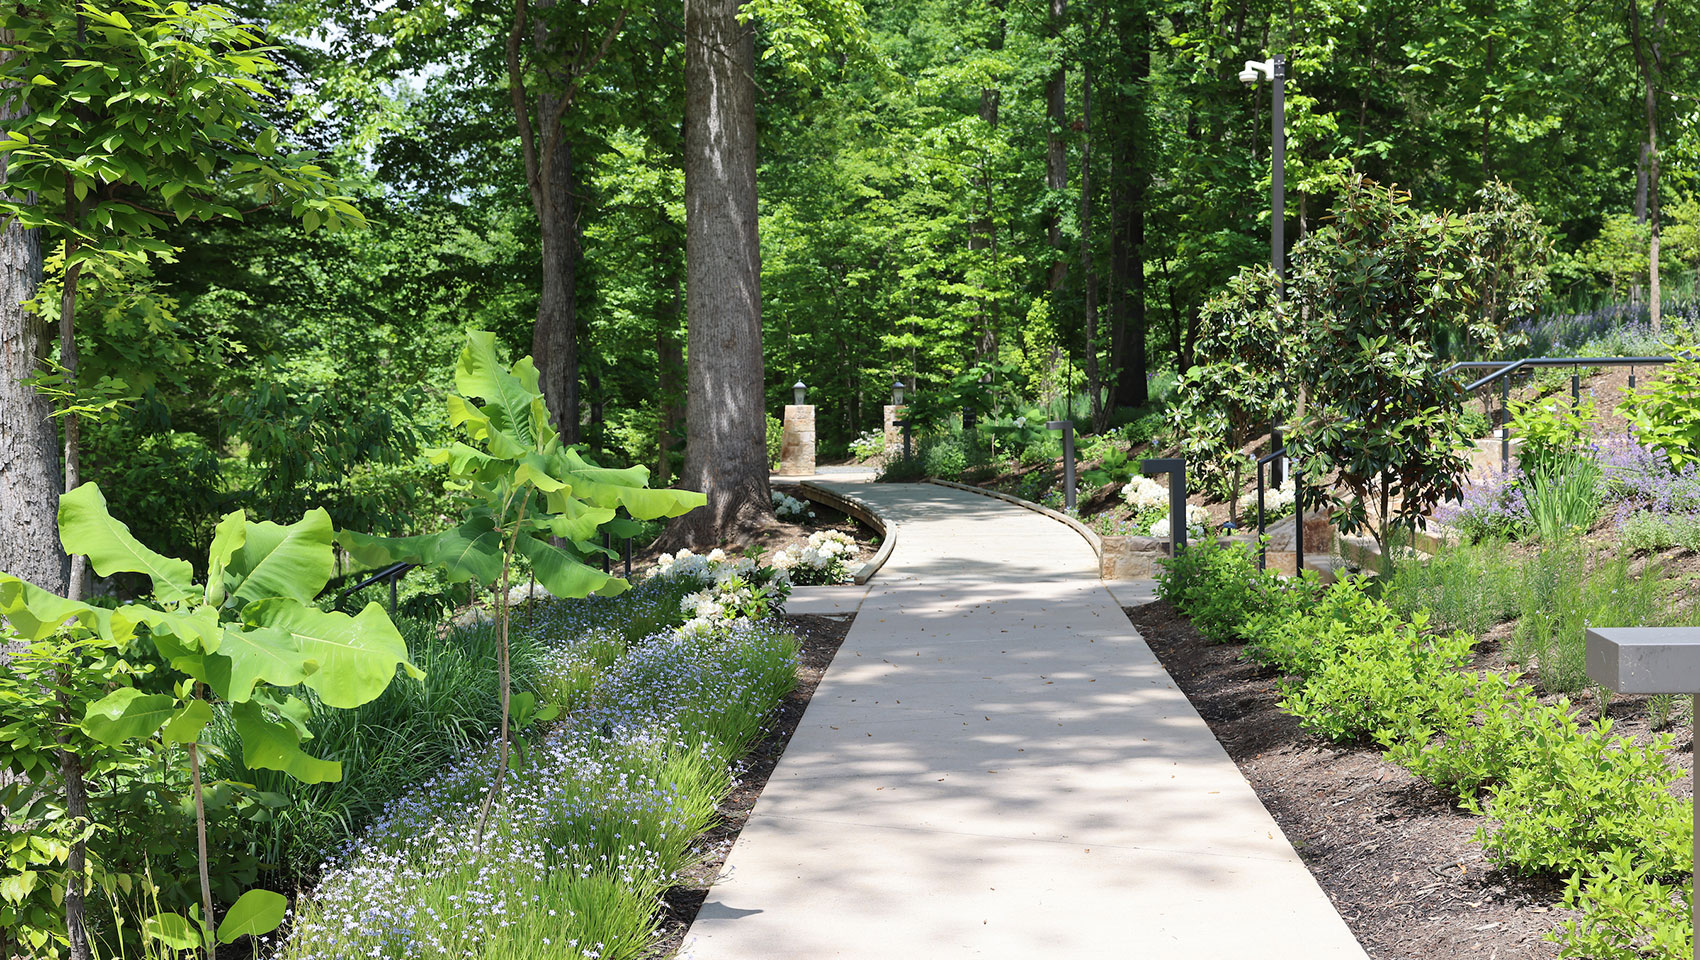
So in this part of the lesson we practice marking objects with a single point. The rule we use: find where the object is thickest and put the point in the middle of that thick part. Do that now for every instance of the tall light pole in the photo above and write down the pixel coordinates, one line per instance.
(1275, 68)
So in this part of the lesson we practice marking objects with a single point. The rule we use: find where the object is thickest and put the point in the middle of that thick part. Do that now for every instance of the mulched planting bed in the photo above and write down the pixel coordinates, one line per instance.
(1392, 852)
(819, 639)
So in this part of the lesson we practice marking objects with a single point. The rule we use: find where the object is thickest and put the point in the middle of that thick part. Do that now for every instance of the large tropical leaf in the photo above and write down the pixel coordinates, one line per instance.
(88, 528)
(127, 713)
(261, 653)
(197, 630)
(35, 613)
(272, 745)
(294, 561)
(577, 520)
(229, 536)
(353, 658)
(186, 724)
(471, 551)
(507, 398)
(627, 487)
(254, 914)
(564, 575)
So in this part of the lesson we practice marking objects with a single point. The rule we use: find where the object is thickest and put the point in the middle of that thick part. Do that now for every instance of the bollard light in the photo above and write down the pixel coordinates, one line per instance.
(797, 390)
(1652, 660)
(1176, 469)
(1067, 428)
(897, 393)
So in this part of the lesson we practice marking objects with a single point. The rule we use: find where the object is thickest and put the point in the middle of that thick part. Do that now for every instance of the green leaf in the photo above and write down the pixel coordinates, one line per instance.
(254, 914)
(354, 658)
(35, 614)
(565, 576)
(197, 630)
(186, 724)
(87, 527)
(127, 713)
(173, 930)
(577, 520)
(228, 537)
(508, 396)
(278, 561)
(471, 551)
(248, 656)
(271, 745)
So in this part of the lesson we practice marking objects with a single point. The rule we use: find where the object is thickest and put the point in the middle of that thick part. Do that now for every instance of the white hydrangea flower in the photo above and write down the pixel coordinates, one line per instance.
(1143, 493)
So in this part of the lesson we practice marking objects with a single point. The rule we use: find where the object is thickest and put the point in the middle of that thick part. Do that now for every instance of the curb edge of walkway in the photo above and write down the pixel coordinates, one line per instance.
(861, 510)
(1092, 539)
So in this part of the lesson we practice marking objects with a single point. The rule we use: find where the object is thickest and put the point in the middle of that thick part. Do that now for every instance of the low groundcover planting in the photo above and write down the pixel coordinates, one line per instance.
(1561, 796)
(600, 813)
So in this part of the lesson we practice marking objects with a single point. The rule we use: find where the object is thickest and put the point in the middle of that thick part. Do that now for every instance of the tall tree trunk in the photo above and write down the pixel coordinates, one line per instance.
(1648, 55)
(548, 159)
(726, 433)
(77, 811)
(981, 233)
(1128, 219)
(554, 338)
(29, 454)
(1056, 155)
(1088, 268)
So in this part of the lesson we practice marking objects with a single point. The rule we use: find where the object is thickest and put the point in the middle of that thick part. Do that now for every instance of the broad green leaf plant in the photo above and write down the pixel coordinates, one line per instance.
(526, 494)
(249, 639)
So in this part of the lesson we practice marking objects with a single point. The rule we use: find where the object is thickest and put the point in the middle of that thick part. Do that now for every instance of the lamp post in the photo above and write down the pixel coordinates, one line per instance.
(897, 393)
(797, 391)
(1275, 68)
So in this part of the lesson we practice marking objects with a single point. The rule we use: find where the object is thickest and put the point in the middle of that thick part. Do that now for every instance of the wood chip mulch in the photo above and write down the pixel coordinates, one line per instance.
(819, 638)
(1393, 853)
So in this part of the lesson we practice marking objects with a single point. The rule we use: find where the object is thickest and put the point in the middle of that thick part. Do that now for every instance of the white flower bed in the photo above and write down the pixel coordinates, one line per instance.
(732, 588)
(1277, 503)
(1150, 502)
(824, 559)
(790, 508)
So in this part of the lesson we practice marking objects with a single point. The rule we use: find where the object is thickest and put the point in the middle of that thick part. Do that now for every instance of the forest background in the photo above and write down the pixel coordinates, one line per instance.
(1044, 191)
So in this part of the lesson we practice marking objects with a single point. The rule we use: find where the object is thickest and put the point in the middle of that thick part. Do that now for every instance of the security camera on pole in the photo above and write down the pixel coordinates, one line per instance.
(1275, 69)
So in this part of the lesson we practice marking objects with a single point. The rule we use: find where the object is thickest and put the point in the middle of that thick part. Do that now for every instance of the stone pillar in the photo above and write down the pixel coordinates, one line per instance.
(797, 449)
(893, 432)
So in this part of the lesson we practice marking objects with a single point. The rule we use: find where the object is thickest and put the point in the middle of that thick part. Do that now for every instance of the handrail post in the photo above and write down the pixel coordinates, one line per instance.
(1262, 548)
(1504, 424)
(394, 578)
(1298, 528)
(628, 558)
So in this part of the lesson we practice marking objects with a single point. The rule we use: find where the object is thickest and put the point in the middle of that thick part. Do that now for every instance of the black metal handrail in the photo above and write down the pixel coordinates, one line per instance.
(392, 573)
(1298, 518)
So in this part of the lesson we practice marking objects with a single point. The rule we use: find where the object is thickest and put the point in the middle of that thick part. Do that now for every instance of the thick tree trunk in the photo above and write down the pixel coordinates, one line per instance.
(726, 434)
(670, 364)
(29, 455)
(554, 339)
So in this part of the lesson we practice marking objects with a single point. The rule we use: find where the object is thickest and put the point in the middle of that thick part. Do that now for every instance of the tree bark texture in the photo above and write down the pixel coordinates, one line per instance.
(726, 436)
(29, 454)
(554, 338)
(76, 580)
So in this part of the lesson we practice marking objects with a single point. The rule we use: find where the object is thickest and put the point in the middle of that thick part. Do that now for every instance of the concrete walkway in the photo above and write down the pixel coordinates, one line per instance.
(996, 766)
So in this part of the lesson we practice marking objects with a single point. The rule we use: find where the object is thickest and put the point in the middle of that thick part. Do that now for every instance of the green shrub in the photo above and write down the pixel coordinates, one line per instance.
(1219, 587)
(1581, 793)
(775, 440)
(1644, 532)
(1551, 430)
(1145, 429)
(1626, 913)
(1476, 734)
(1377, 680)
(1043, 450)
(1298, 636)
(902, 470)
(944, 457)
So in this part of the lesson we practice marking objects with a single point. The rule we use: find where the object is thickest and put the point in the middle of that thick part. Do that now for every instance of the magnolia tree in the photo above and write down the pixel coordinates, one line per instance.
(1387, 294)
(1242, 387)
